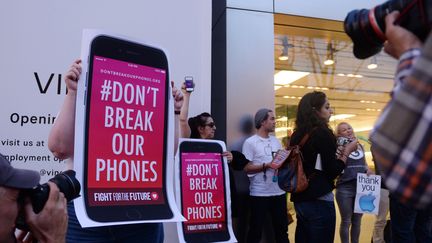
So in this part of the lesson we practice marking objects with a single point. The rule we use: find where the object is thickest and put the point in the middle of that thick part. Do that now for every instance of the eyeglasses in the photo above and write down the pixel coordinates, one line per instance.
(211, 124)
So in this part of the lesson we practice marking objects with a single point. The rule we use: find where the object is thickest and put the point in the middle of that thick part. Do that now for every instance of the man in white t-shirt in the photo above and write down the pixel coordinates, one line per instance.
(265, 194)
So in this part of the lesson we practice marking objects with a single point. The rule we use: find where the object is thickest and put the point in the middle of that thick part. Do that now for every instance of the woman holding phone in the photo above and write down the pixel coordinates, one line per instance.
(201, 126)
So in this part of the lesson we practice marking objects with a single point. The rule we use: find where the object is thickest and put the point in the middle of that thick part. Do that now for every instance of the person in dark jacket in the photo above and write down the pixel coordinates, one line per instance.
(323, 162)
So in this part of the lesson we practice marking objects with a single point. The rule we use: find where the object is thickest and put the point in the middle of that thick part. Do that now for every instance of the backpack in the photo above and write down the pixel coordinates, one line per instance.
(291, 177)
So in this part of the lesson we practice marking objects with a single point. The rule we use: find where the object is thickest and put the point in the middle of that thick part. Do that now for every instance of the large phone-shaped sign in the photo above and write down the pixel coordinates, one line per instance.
(125, 133)
(204, 192)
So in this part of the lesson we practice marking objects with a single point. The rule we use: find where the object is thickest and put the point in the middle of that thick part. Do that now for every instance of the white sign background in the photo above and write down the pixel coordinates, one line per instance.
(368, 194)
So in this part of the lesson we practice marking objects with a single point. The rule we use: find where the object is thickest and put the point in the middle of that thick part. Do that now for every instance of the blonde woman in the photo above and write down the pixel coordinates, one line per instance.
(346, 185)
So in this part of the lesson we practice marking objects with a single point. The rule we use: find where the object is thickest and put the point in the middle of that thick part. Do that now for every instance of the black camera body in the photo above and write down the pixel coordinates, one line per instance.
(366, 28)
(67, 184)
(65, 181)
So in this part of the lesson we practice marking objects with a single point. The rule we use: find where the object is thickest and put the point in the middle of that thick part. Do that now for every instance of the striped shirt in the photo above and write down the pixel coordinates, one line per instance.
(402, 137)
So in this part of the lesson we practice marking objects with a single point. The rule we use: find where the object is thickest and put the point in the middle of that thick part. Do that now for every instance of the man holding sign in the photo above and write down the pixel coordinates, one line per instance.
(265, 194)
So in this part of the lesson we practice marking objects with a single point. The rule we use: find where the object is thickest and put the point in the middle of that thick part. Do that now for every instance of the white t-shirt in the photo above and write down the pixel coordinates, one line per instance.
(259, 150)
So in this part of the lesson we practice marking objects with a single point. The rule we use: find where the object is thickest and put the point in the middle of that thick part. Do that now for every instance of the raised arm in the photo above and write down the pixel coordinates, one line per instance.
(185, 131)
(178, 104)
(61, 137)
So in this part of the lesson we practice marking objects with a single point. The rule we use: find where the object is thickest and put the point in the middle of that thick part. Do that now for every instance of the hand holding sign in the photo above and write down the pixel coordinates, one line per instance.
(279, 158)
(203, 188)
(367, 194)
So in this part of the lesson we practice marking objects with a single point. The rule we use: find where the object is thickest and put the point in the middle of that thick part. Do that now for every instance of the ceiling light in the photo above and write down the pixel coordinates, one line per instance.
(363, 129)
(328, 62)
(329, 57)
(284, 55)
(341, 117)
(276, 87)
(373, 63)
(368, 101)
(285, 77)
(282, 129)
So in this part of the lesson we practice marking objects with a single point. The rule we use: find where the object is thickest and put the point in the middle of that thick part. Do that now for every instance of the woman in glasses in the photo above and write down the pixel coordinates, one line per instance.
(202, 126)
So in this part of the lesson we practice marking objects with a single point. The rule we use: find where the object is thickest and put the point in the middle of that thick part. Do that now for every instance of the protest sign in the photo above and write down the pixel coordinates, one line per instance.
(204, 196)
(122, 133)
(367, 194)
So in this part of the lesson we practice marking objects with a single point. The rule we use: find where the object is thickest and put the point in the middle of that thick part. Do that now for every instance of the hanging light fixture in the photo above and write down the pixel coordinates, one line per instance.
(373, 63)
(284, 55)
(330, 56)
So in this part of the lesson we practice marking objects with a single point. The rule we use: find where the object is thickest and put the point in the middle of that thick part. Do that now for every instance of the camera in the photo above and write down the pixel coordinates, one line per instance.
(65, 181)
(366, 28)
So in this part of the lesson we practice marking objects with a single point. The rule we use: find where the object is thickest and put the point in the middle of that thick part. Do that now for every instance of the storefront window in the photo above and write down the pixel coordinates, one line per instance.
(315, 54)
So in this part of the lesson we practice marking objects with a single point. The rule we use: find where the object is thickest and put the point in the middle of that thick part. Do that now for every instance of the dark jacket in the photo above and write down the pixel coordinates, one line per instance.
(323, 142)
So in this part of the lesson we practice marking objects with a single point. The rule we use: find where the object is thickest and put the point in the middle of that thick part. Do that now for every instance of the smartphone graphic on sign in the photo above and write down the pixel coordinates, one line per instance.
(125, 132)
(203, 197)
(189, 84)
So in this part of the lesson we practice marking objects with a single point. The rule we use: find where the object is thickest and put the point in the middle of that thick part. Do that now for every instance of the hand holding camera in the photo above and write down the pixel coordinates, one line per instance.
(399, 40)
(50, 224)
(64, 183)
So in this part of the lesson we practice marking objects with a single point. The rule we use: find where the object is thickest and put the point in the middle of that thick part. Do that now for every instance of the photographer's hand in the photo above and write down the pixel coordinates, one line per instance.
(24, 237)
(49, 225)
(399, 39)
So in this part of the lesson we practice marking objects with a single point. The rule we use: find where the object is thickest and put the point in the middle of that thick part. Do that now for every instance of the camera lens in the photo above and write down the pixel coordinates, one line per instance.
(68, 184)
(363, 35)
(65, 181)
(366, 28)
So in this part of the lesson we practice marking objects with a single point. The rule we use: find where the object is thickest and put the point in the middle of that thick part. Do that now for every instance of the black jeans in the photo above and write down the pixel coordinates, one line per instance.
(277, 207)
(410, 225)
(316, 221)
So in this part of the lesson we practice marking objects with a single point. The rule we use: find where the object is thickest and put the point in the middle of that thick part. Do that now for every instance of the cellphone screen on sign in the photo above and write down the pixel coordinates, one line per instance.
(203, 192)
(125, 140)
